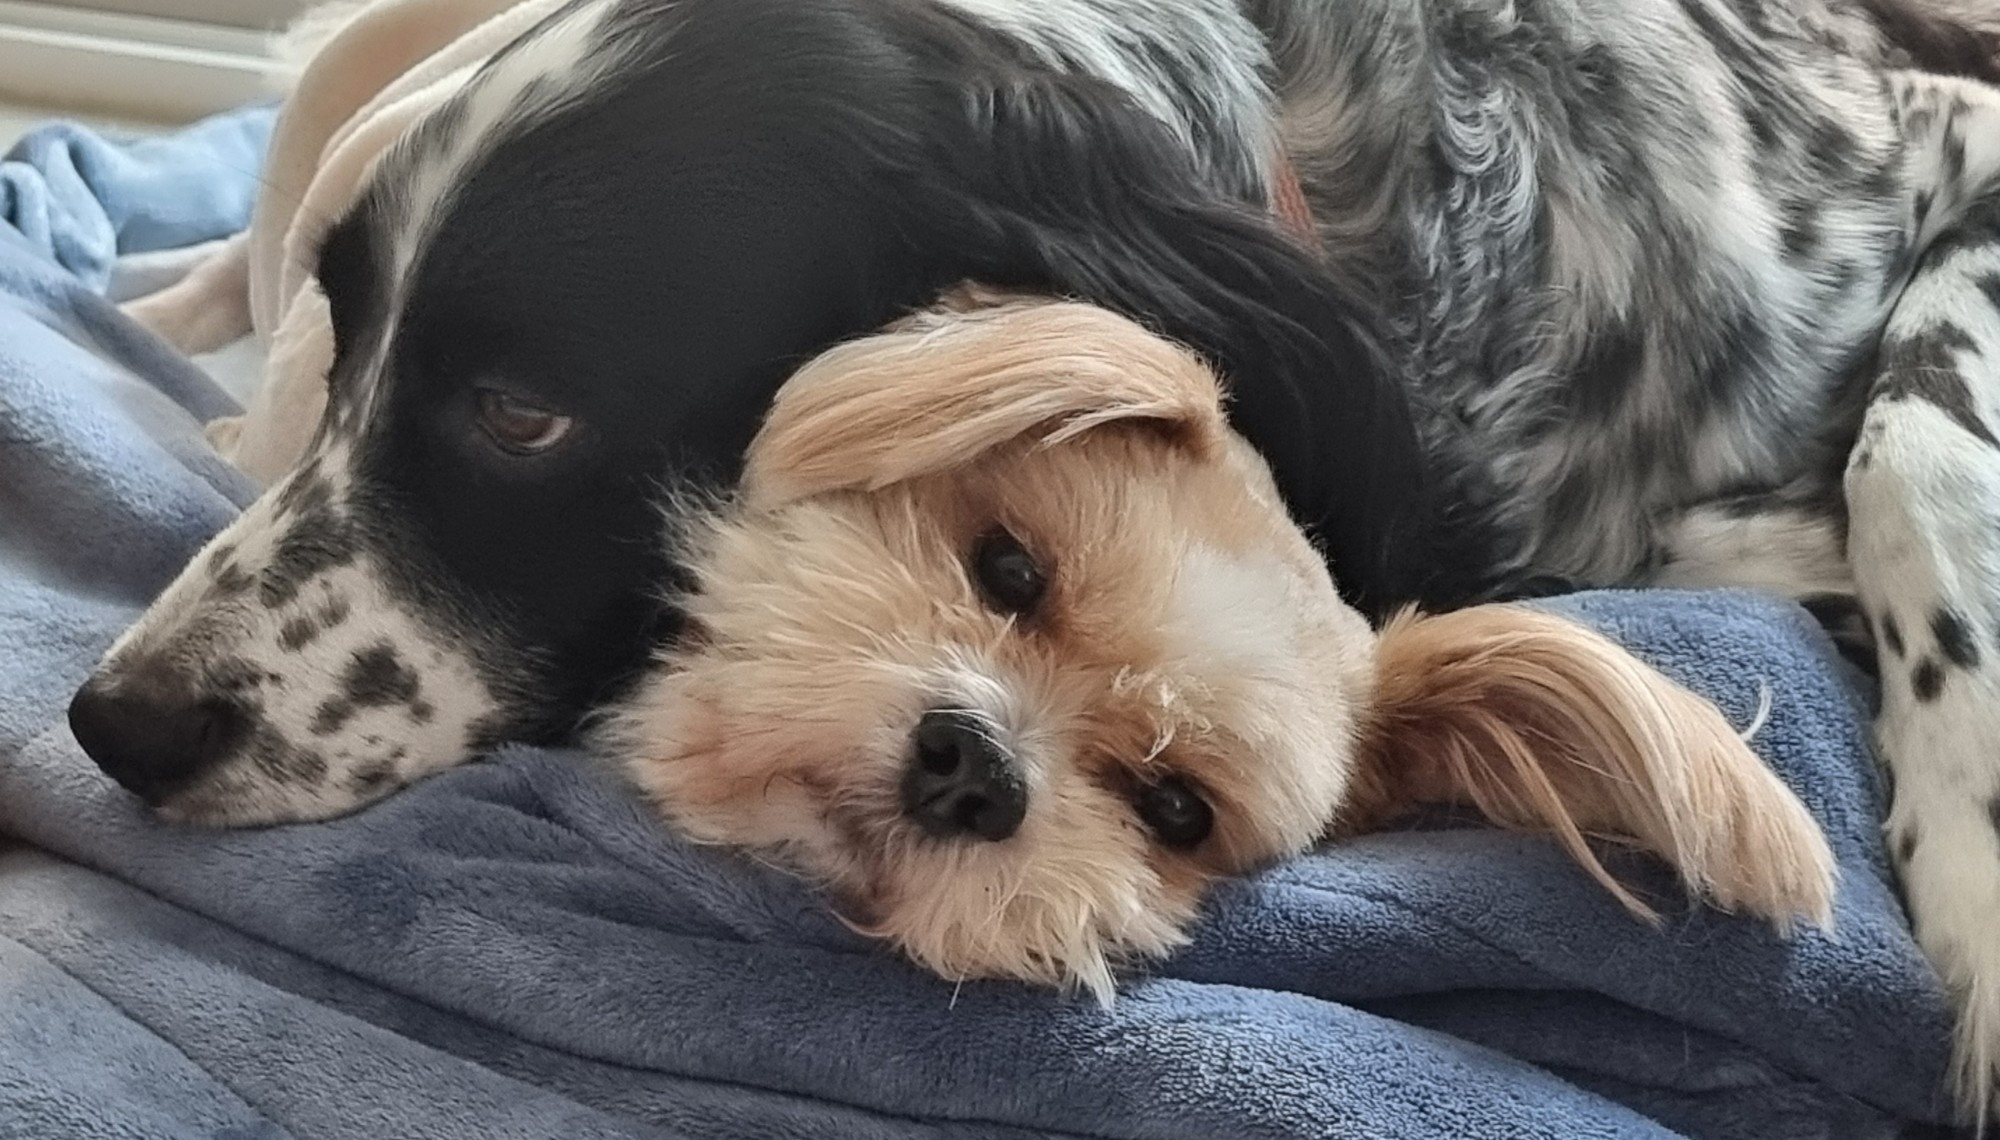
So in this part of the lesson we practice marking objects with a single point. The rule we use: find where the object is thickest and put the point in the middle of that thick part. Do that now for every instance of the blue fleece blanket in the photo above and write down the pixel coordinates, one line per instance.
(516, 949)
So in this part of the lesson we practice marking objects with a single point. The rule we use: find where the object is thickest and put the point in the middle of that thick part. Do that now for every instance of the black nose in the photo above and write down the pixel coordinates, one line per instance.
(962, 780)
(149, 736)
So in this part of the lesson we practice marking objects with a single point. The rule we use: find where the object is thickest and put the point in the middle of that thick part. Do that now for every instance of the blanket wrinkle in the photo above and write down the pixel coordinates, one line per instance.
(83, 199)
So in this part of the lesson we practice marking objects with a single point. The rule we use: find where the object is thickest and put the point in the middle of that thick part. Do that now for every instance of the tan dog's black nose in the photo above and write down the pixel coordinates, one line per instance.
(148, 737)
(962, 780)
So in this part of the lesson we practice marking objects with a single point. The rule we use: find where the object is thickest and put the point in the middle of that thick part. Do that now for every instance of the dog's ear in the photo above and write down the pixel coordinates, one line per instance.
(1067, 187)
(1542, 723)
(941, 388)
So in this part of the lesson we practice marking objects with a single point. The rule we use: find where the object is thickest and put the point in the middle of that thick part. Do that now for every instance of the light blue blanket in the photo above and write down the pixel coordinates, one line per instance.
(515, 949)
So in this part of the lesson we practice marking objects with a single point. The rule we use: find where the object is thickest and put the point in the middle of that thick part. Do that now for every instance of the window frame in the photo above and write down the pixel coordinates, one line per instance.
(89, 58)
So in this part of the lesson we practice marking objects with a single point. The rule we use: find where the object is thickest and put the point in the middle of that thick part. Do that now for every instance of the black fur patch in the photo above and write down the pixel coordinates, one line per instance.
(298, 633)
(1989, 284)
(238, 675)
(1927, 680)
(304, 487)
(1892, 635)
(1748, 506)
(1539, 586)
(230, 580)
(1896, 257)
(1936, 41)
(318, 540)
(369, 779)
(1840, 615)
(1976, 228)
(1831, 148)
(1955, 638)
(375, 678)
(1604, 374)
(1924, 366)
(331, 716)
(1954, 155)
(1832, 609)
(1906, 845)
(1745, 343)
(1763, 131)
(1799, 227)
(282, 761)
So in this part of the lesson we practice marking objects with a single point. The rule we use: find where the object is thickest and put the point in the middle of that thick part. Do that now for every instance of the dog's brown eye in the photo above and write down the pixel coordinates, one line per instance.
(1175, 812)
(1007, 574)
(518, 426)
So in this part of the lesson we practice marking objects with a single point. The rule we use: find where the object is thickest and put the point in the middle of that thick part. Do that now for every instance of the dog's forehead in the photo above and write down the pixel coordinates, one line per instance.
(409, 195)
(553, 66)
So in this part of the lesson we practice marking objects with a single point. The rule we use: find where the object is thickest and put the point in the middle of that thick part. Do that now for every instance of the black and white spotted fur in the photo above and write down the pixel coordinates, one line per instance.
(1690, 292)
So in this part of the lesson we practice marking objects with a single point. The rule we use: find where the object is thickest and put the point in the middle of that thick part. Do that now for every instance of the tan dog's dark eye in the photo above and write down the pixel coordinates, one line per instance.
(518, 426)
(1175, 812)
(1007, 574)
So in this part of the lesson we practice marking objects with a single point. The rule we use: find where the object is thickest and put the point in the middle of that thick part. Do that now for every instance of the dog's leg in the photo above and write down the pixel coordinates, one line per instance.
(1792, 541)
(1923, 496)
(208, 308)
(1923, 490)
(1542, 723)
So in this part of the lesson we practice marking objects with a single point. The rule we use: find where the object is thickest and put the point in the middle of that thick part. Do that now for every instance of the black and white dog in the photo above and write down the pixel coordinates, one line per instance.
(1608, 292)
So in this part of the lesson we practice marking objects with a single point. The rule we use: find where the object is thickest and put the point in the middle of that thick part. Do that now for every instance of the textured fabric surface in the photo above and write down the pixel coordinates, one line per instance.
(85, 200)
(516, 949)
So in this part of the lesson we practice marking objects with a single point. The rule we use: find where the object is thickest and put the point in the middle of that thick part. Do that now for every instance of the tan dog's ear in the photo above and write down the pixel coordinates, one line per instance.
(941, 388)
(1542, 723)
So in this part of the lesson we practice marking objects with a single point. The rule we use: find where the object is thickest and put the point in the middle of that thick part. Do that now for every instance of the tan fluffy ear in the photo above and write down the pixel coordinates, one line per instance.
(941, 388)
(1542, 723)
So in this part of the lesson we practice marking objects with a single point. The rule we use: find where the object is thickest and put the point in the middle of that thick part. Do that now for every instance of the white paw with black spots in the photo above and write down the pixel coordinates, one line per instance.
(1924, 501)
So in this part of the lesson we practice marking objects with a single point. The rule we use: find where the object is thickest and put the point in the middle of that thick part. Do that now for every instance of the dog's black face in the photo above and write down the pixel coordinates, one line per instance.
(516, 417)
(577, 287)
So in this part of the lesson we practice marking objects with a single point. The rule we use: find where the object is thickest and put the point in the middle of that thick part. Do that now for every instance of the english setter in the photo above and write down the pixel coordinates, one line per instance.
(1689, 292)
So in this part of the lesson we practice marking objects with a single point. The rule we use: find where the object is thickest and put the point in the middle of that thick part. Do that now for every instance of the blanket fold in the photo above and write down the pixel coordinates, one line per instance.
(83, 199)
(516, 948)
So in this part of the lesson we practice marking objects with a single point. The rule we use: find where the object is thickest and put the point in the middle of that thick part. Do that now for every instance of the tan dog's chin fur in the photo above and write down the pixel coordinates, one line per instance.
(1187, 630)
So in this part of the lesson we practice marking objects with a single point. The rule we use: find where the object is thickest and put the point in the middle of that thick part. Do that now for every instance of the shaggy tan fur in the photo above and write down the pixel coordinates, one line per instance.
(1541, 723)
(1188, 628)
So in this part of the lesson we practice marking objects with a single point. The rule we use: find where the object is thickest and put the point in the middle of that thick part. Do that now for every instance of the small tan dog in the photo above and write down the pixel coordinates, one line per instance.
(1008, 640)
